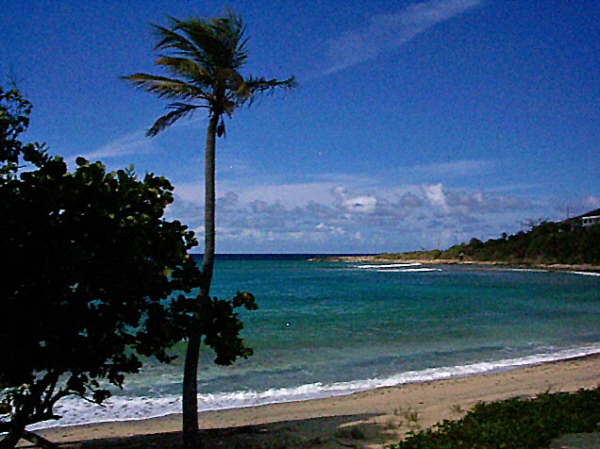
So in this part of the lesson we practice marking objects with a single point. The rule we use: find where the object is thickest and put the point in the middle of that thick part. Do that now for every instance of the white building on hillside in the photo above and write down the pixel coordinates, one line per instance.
(592, 220)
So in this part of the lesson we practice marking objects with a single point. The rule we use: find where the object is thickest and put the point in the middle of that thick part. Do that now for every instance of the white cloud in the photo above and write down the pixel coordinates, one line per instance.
(387, 32)
(352, 215)
(362, 204)
(436, 197)
(322, 227)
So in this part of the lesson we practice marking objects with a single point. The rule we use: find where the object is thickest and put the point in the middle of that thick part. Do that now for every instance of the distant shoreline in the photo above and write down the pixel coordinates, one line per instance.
(382, 258)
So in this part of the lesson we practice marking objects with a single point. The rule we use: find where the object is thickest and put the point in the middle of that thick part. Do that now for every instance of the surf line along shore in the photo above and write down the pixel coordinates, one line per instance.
(481, 264)
(324, 421)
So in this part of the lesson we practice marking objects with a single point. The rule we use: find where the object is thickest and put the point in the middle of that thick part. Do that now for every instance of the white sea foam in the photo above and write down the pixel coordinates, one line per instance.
(123, 408)
(409, 270)
(413, 267)
(584, 273)
(527, 270)
(390, 265)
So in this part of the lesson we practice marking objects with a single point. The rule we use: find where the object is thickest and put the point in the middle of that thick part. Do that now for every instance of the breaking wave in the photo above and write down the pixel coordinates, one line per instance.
(124, 408)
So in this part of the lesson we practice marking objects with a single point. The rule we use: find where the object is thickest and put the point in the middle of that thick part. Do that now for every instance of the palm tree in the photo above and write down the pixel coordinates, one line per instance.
(203, 58)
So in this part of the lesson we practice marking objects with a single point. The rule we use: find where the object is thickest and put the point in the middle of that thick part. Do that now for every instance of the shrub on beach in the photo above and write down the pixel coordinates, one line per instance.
(514, 423)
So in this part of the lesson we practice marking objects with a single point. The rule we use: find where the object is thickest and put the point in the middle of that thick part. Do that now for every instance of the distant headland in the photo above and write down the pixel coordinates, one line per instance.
(573, 244)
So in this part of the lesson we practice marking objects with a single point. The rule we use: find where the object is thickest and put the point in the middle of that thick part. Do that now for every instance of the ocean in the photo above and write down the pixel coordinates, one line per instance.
(324, 329)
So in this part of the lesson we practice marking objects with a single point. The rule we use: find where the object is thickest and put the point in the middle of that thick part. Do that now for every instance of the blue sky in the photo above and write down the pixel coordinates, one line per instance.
(416, 124)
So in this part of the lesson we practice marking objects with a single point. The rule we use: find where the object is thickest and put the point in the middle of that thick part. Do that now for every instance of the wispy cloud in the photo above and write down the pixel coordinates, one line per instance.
(133, 143)
(387, 32)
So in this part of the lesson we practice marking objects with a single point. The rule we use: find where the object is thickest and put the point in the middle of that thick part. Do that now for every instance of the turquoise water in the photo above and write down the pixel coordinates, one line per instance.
(325, 329)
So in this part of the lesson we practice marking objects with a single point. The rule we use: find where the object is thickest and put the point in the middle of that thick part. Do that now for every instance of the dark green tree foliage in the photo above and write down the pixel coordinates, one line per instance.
(95, 278)
(547, 243)
(14, 119)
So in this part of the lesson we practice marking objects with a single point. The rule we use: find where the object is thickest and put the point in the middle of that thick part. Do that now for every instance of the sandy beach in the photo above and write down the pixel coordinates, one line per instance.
(365, 419)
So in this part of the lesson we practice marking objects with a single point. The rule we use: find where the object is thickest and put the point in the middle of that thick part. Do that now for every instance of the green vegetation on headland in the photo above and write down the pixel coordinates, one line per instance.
(548, 243)
(514, 423)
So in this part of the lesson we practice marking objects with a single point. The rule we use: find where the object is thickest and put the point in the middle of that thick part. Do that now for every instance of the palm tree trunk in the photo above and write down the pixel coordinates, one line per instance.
(190, 373)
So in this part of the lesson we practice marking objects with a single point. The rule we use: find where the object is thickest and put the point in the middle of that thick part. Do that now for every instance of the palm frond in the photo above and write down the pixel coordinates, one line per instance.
(179, 110)
(203, 58)
(230, 31)
(220, 40)
(261, 86)
(186, 68)
(166, 87)
(170, 39)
